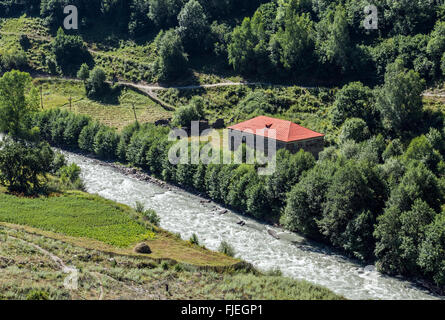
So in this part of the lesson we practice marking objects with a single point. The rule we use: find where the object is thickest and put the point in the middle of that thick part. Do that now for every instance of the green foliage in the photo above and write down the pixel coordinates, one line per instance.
(84, 72)
(70, 52)
(18, 100)
(164, 12)
(152, 217)
(194, 240)
(306, 200)
(96, 85)
(194, 111)
(353, 200)
(432, 252)
(354, 100)
(105, 143)
(193, 26)
(400, 99)
(37, 295)
(226, 249)
(420, 149)
(13, 59)
(172, 62)
(354, 129)
(24, 165)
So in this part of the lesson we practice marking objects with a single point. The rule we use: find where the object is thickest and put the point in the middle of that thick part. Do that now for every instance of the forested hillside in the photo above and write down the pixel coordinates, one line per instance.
(316, 40)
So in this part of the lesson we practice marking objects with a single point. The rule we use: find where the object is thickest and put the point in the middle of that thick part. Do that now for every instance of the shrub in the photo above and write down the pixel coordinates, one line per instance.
(194, 239)
(14, 59)
(37, 295)
(226, 249)
(152, 217)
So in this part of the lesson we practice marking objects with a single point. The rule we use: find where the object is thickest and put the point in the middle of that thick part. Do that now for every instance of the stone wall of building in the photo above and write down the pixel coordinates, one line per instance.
(237, 138)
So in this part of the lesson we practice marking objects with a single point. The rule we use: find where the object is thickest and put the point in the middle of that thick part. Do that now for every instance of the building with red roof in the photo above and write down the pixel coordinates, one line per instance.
(286, 134)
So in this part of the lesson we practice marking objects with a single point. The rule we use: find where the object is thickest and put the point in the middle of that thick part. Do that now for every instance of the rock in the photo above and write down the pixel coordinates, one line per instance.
(223, 212)
(241, 223)
(273, 234)
(142, 248)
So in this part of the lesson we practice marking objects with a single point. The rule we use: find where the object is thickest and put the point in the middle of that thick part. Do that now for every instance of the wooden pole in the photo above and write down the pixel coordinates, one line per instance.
(70, 102)
(41, 97)
(134, 111)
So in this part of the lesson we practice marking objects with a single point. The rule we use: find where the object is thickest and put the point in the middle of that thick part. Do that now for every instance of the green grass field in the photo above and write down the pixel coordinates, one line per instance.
(75, 214)
(118, 114)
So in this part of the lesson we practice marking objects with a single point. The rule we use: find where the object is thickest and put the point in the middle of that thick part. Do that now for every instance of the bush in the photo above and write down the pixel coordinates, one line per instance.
(96, 85)
(194, 239)
(226, 249)
(152, 217)
(14, 59)
(37, 295)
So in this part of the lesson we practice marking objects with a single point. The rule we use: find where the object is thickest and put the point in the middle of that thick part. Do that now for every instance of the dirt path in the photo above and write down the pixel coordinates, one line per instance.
(70, 270)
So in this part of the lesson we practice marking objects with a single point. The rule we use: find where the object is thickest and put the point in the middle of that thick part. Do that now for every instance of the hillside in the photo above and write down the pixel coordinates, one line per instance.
(35, 262)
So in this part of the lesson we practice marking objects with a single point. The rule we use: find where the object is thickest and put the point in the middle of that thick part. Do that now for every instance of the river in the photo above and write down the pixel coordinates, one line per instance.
(184, 213)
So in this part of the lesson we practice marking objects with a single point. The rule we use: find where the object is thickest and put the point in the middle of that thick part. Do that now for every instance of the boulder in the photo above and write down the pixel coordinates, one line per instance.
(142, 248)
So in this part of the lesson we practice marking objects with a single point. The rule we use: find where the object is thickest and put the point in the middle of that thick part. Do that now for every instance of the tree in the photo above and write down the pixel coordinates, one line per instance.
(243, 48)
(164, 12)
(442, 65)
(193, 26)
(18, 100)
(354, 100)
(354, 199)
(354, 129)
(70, 52)
(194, 111)
(296, 41)
(24, 164)
(420, 149)
(172, 62)
(333, 43)
(306, 199)
(105, 143)
(96, 85)
(84, 72)
(400, 99)
(287, 174)
(432, 250)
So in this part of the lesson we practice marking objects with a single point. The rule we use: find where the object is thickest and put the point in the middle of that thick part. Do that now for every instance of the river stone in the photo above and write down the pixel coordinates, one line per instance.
(142, 248)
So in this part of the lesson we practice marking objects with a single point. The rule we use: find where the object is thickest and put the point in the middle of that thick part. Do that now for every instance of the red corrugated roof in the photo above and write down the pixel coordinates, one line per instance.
(287, 131)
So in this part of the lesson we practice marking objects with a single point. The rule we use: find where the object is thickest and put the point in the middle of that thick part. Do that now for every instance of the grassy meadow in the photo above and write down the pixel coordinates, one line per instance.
(117, 112)
(27, 273)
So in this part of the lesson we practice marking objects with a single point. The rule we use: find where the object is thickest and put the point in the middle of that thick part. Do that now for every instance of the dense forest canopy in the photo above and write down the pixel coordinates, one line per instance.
(280, 39)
